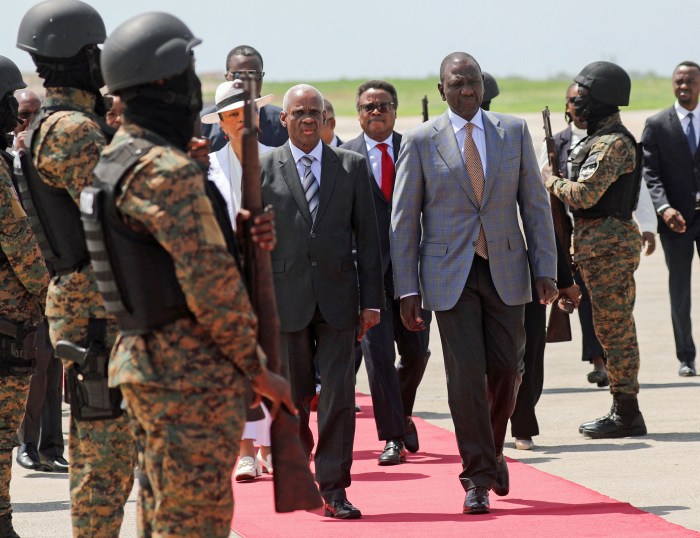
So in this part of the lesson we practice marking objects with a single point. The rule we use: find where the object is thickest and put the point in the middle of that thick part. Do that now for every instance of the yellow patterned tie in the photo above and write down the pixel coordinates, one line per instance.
(476, 174)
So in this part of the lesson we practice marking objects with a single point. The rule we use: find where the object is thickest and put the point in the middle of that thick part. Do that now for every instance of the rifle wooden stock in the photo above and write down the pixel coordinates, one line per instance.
(559, 326)
(294, 484)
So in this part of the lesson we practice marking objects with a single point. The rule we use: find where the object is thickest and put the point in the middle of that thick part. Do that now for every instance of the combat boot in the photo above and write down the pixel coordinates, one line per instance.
(6, 530)
(624, 420)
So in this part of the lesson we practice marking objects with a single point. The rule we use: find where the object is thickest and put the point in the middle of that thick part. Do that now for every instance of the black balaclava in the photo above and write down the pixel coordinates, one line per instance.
(81, 71)
(170, 110)
(8, 117)
(590, 110)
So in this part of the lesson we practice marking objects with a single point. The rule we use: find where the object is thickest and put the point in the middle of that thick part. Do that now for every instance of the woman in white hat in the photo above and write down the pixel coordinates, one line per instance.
(225, 172)
(225, 164)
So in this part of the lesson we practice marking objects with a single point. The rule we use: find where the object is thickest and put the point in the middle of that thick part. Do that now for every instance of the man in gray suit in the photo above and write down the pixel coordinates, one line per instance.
(322, 197)
(456, 241)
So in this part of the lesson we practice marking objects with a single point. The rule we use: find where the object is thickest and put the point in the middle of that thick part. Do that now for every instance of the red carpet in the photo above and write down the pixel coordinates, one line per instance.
(423, 497)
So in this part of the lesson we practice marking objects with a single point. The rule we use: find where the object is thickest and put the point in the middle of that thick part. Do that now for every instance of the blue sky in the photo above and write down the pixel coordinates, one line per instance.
(328, 39)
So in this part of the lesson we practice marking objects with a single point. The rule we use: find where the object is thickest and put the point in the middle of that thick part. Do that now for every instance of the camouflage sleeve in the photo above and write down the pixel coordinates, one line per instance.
(610, 157)
(66, 156)
(166, 195)
(18, 242)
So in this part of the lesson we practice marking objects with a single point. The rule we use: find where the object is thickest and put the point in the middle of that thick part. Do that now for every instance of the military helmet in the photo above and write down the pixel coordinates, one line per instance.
(146, 48)
(60, 28)
(10, 77)
(490, 87)
(606, 82)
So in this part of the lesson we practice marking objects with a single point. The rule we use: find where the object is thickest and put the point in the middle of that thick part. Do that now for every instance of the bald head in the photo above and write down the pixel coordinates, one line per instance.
(303, 115)
(455, 57)
(29, 105)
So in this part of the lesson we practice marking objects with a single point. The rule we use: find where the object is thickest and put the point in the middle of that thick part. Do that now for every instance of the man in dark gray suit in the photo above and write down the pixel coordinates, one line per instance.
(456, 240)
(322, 197)
(672, 173)
(393, 390)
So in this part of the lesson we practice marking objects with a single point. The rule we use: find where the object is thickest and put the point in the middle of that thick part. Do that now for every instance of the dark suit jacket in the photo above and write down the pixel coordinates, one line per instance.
(562, 143)
(671, 172)
(313, 265)
(272, 132)
(382, 206)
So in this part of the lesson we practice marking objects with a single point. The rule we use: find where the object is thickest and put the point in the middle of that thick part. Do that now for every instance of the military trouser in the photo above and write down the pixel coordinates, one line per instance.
(102, 455)
(610, 279)
(188, 442)
(13, 395)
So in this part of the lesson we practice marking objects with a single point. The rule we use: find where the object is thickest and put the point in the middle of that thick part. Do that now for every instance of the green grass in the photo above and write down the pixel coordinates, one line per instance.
(517, 95)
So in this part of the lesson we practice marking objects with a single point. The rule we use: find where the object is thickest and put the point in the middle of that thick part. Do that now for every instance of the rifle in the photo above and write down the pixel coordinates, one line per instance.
(424, 102)
(559, 326)
(294, 484)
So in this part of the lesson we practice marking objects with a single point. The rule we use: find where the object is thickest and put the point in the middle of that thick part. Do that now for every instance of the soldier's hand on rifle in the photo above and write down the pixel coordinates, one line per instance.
(411, 313)
(276, 389)
(674, 220)
(546, 289)
(199, 149)
(648, 243)
(368, 318)
(571, 294)
(263, 230)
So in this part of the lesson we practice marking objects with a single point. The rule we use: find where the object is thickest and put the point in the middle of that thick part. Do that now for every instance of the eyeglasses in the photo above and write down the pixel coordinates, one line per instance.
(25, 115)
(368, 108)
(570, 100)
(245, 73)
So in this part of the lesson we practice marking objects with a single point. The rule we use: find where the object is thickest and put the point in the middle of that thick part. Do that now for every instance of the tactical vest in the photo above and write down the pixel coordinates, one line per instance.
(620, 198)
(8, 159)
(54, 217)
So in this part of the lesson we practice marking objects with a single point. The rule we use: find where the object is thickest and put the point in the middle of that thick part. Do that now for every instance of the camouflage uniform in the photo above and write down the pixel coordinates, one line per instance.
(65, 150)
(23, 284)
(607, 251)
(183, 383)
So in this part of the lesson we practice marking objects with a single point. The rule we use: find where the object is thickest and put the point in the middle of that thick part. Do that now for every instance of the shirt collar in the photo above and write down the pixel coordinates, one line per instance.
(683, 112)
(371, 144)
(458, 122)
(315, 153)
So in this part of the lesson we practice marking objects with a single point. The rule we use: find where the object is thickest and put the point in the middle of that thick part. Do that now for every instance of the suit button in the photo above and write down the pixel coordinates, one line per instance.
(312, 234)
(473, 243)
(314, 264)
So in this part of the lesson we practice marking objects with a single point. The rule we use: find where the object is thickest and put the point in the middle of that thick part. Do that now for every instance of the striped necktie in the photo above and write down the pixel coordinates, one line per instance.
(310, 185)
(476, 175)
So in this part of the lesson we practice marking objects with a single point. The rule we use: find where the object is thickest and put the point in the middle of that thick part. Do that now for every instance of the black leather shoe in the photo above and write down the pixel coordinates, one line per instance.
(623, 420)
(28, 457)
(501, 486)
(687, 369)
(394, 453)
(410, 438)
(476, 501)
(56, 465)
(599, 377)
(342, 509)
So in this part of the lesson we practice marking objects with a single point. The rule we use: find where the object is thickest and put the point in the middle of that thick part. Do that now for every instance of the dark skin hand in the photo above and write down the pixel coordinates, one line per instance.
(199, 150)
(276, 389)
(366, 320)
(412, 314)
(674, 220)
(572, 294)
(546, 290)
(648, 243)
(263, 230)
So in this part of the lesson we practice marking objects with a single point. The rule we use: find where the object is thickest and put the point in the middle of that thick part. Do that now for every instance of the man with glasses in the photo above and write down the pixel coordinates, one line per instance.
(29, 105)
(244, 61)
(393, 390)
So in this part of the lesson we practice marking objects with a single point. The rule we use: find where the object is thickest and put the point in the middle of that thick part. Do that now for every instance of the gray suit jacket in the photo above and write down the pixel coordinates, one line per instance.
(436, 218)
(670, 171)
(313, 264)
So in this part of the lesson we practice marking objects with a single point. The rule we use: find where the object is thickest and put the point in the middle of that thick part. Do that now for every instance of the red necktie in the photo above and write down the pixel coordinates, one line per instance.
(387, 171)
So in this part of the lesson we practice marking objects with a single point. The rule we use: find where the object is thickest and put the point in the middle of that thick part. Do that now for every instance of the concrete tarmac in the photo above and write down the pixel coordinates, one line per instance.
(658, 473)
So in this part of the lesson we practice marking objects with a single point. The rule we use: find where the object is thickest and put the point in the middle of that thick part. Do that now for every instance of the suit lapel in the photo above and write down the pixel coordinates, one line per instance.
(446, 145)
(291, 178)
(494, 148)
(330, 163)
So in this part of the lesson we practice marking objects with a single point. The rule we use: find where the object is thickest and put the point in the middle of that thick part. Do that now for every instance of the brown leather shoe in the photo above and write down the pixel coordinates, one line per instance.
(476, 501)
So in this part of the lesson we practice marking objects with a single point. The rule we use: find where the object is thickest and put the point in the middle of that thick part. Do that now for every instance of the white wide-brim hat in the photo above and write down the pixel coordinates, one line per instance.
(230, 96)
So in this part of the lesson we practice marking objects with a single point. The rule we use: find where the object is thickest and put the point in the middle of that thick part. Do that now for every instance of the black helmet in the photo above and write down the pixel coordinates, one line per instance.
(10, 77)
(490, 87)
(60, 28)
(607, 83)
(146, 48)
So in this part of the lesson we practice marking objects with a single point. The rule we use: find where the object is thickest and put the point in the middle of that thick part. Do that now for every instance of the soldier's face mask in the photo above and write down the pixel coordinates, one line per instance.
(8, 113)
(93, 58)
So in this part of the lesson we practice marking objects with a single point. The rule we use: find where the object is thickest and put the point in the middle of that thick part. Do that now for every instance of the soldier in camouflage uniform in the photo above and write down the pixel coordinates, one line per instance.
(23, 283)
(602, 194)
(62, 37)
(181, 368)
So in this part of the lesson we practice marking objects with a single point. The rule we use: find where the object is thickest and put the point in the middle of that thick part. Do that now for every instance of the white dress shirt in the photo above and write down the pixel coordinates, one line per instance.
(315, 165)
(375, 155)
(459, 124)
(683, 118)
